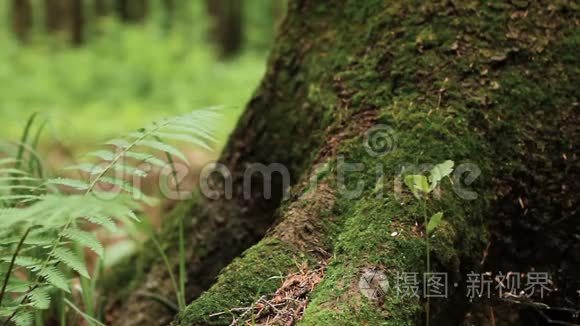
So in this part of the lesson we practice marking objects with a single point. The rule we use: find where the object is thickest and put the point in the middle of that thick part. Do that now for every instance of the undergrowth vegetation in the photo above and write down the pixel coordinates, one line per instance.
(44, 220)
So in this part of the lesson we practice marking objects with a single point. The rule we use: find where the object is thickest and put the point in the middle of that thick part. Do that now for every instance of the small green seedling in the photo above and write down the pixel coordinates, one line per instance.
(421, 187)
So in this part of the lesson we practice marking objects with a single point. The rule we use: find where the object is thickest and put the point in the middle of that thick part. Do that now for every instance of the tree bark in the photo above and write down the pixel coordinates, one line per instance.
(490, 86)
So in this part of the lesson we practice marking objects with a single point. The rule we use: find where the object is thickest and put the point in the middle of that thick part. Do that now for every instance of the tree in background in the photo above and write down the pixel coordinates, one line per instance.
(132, 10)
(22, 18)
(226, 26)
(65, 17)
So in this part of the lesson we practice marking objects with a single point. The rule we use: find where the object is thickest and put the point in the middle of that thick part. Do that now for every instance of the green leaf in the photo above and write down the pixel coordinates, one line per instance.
(121, 143)
(23, 318)
(184, 138)
(67, 257)
(147, 158)
(86, 239)
(40, 298)
(124, 186)
(30, 263)
(434, 222)
(439, 172)
(129, 170)
(102, 154)
(163, 147)
(417, 183)
(88, 168)
(72, 183)
(55, 277)
(103, 221)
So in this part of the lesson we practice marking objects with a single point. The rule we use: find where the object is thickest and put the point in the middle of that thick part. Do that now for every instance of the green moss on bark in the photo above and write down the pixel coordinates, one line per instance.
(465, 81)
(257, 272)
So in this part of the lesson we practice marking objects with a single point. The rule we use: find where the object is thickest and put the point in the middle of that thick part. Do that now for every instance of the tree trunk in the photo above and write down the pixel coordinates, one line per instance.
(55, 13)
(77, 22)
(22, 19)
(132, 10)
(102, 8)
(394, 87)
(66, 17)
(226, 25)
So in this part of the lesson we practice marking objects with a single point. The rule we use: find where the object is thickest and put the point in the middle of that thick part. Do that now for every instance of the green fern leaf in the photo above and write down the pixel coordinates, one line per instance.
(86, 239)
(89, 168)
(163, 147)
(30, 263)
(23, 318)
(184, 138)
(67, 257)
(123, 186)
(53, 276)
(72, 183)
(121, 143)
(129, 170)
(39, 298)
(147, 158)
(102, 154)
(103, 221)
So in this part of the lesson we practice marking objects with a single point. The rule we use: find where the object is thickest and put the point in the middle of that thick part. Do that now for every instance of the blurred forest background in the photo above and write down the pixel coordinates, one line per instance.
(98, 68)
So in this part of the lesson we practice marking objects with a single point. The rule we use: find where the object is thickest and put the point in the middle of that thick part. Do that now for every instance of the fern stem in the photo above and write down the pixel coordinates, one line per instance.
(182, 277)
(12, 261)
(122, 153)
(428, 252)
(169, 270)
(23, 140)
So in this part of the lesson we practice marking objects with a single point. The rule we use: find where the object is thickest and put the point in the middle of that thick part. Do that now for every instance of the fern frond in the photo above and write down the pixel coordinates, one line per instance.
(39, 298)
(163, 147)
(52, 275)
(103, 221)
(85, 239)
(23, 318)
(103, 155)
(16, 286)
(134, 191)
(8, 160)
(92, 169)
(13, 171)
(72, 183)
(70, 259)
(184, 138)
(30, 263)
(146, 158)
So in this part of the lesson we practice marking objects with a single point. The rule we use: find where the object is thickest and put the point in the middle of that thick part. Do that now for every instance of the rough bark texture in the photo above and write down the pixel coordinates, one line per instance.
(493, 84)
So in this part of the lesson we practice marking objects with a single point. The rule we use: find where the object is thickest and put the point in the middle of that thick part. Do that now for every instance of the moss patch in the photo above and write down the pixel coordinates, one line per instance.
(255, 273)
